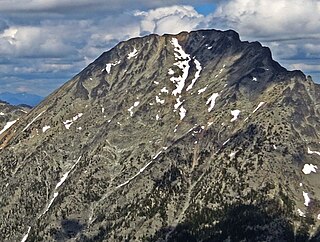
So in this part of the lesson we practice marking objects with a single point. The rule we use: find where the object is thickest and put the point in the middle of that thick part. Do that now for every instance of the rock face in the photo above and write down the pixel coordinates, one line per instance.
(189, 137)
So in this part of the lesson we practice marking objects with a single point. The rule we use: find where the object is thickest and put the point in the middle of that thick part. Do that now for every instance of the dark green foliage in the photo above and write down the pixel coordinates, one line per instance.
(247, 223)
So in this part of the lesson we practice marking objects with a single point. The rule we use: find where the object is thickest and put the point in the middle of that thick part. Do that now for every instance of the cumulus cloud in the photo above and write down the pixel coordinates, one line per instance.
(264, 18)
(30, 41)
(169, 19)
(172, 19)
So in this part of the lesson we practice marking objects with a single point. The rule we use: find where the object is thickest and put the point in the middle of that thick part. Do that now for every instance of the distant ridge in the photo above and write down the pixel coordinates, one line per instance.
(21, 98)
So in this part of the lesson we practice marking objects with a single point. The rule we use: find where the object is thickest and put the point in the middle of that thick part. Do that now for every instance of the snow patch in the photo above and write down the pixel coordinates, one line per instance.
(158, 100)
(197, 74)
(178, 103)
(170, 72)
(306, 198)
(182, 112)
(156, 156)
(202, 90)
(109, 65)
(212, 101)
(183, 64)
(235, 114)
(141, 169)
(301, 214)
(224, 143)
(50, 203)
(65, 176)
(132, 54)
(254, 79)
(313, 152)
(259, 106)
(232, 154)
(308, 168)
(28, 125)
(69, 122)
(45, 128)
(164, 90)
(24, 239)
(8, 125)
(132, 107)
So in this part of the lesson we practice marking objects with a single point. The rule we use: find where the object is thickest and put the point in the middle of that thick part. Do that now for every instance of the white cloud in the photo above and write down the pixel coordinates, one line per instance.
(306, 67)
(283, 50)
(265, 18)
(30, 41)
(173, 19)
(312, 48)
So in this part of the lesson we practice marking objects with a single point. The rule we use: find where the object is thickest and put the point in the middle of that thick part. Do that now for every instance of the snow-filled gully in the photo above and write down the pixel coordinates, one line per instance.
(183, 63)
(55, 195)
(33, 120)
(141, 170)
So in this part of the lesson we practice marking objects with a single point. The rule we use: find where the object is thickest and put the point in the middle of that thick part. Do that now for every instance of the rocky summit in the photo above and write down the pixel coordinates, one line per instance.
(190, 137)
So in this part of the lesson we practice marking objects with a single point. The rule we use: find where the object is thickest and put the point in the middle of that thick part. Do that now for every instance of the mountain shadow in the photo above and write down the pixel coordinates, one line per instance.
(240, 222)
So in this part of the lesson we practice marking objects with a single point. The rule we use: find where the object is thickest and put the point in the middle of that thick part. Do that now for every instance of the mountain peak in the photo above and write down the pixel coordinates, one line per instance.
(195, 136)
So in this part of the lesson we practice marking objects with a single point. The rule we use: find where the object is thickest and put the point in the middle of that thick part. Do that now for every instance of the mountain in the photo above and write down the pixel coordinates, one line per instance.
(21, 98)
(190, 137)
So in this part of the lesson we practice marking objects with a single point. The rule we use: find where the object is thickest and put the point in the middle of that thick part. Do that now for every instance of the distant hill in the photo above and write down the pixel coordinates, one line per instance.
(21, 98)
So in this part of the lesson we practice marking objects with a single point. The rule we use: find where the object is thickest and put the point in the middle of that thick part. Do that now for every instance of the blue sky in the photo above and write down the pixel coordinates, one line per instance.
(205, 8)
(44, 43)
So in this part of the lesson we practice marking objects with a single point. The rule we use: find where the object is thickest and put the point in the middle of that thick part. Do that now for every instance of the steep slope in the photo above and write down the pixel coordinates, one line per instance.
(192, 137)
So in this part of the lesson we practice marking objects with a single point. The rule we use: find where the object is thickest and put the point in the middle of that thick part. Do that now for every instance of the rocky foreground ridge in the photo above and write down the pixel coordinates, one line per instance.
(190, 137)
